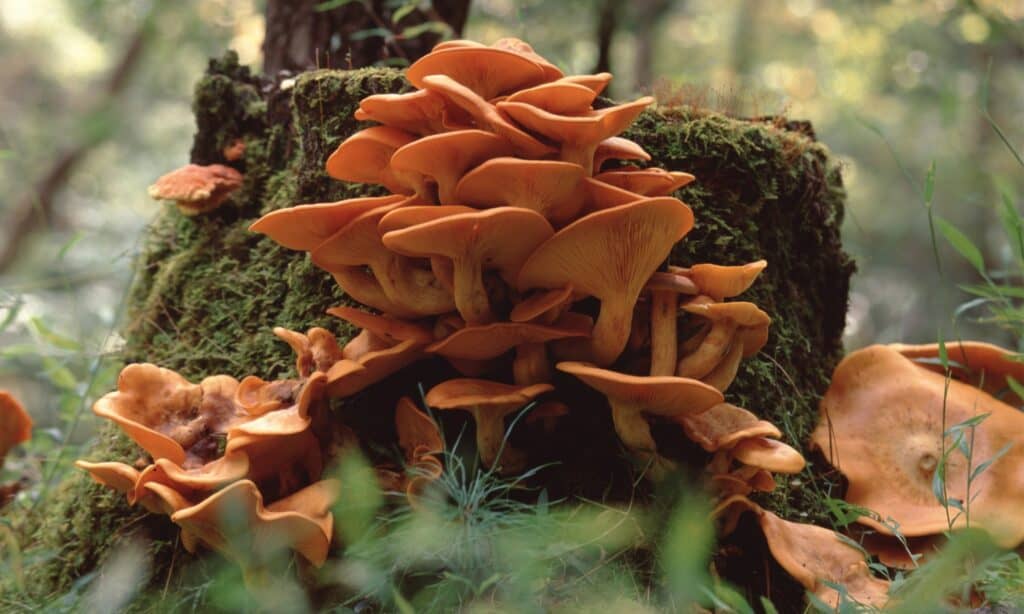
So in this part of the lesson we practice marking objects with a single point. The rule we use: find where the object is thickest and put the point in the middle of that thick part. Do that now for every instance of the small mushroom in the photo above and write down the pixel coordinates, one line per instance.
(365, 157)
(445, 158)
(15, 424)
(315, 351)
(646, 181)
(489, 402)
(561, 97)
(609, 255)
(618, 148)
(422, 112)
(197, 189)
(722, 282)
(632, 398)
(738, 330)
(549, 187)
(486, 71)
(304, 227)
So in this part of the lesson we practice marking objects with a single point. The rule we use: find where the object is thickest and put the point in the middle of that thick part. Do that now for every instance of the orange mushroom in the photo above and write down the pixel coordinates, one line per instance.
(304, 227)
(632, 398)
(578, 135)
(197, 189)
(420, 439)
(561, 97)
(882, 424)
(15, 424)
(498, 239)
(646, 181)
(609, 255)
(445, 158)
(489, 402)
(548, 187)
(317, 350)
(617, 148)
(979, 364)
(738, 330)
(722, 282)
(365, 157)
(422, 112)
(486, 71)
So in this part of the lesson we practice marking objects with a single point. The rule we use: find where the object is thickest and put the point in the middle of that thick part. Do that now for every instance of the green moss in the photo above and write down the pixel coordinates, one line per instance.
(208, 291)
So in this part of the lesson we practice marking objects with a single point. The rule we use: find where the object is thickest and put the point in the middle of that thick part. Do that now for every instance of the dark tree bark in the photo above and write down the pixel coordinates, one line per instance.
(648, 13)
(306, 34)
(607, 21)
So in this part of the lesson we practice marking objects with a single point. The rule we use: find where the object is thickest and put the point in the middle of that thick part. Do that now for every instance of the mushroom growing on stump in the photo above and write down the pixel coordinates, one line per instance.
(445, 158)
(486, 71)
(15, 424)
(609, 255)
(881, 426)
(423, 112)
(498, 239)
(365, 157)
(489, 402)
(548, 187)
(197, 189)
(304, 227)
(632, 398)
(738, 330)
(646, 181)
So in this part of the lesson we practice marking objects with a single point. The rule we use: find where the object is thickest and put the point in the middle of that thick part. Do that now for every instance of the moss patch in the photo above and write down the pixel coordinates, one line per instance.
(209, 292)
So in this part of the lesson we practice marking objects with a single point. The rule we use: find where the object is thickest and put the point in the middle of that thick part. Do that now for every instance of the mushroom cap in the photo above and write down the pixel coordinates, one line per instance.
(510, 43)
(286, 421)
(492, 340)
(618, 148)
(549, 187)
(541, 304)
(464, 393)
(610, 255)
(768, 454)
(881, 425)
(721, 282)
(257, 396)
(316, 350)
(503, 237)
(392, 329)
(301, 522)
(348, 377)
(596, 82)
(304, 227)
(364, 157)
(191, 483)
(162, 499)
(422, 112)
(661, 395)
(813, 554)
(725, 425)
(977, 363)
(197, 188)
(486, 71)
(487, 117)
(405, 217)
(646, 181)
(418, 434)
(15, 424)
(752, 321)
(118, 476)
(561, 97)
(446, 157)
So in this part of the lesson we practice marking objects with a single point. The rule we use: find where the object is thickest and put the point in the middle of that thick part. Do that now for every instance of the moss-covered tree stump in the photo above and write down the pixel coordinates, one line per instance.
(208, 291)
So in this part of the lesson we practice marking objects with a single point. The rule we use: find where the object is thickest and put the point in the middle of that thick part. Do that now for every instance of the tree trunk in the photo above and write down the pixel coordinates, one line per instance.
(307, 34)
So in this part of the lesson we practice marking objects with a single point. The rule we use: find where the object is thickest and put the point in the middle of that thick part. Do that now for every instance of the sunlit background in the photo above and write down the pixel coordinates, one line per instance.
(96, 102)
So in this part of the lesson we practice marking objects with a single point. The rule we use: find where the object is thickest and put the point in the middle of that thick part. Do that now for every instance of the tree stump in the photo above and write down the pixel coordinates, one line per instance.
(208, 292)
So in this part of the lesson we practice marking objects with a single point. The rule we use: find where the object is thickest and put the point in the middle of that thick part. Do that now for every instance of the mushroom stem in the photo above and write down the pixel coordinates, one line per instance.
(664, 306)
(470, 293)
(710, 352)
(490, 433)
(531, 365)
(725, 372)
(635, 432)
(442, 269)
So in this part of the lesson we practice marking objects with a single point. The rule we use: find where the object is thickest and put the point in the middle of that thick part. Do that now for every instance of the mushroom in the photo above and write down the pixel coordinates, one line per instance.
(561, 97)
(549, 187)
(738, 330)
(486, 71)
(610, 255)
(304, 227)
(498, 239)
(422, 112)
(420, 439)
(364, 158)
(632, 398)
(510, 43)
(618, 148)
(415, 289)
(980, 364)
(235, 522)
(544, 305)
(882, 424)
(445, 158)
(489, 402)
(315, 351)
(15, 424)
(646, 181)
(578, 135)
(722, 282)
(487, 117)
(197, 189)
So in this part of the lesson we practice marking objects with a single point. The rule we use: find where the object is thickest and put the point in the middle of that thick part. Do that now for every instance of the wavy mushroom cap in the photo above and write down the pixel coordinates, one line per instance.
(235, 522)
(492, 340)
(881, 426)
(304, 227)
(618, 148)
(365, 157)
(646, 181)
(117, 476)
(751, 322)
(257, 396)
(15, 424)
(286, 421)
(350, 376)
(768, 454)
(609, 255)
(551, 72)
(422, 112)
(192, 483)
(725, 425)
(316, 350)
(197, 189)
(487, 117)
(487, 71)
(665, 396)
(979, 364)
(579, 135)
(561, 97)
(392, 329)
(445, 158)
(549, 187)
(722, 282)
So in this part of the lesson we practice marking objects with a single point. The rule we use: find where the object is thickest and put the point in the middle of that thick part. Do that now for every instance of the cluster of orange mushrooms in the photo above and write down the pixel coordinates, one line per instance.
(504, 237)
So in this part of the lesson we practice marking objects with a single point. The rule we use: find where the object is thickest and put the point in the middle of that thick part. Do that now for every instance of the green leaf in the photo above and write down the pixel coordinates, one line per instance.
(961, 244)
(1014, 385)
(985, 465)
(929, 184)
(768, 606)
(330, 5)
(404, 11)
(356, 511)
(360, 35)
(686, 549)
(53, 338)
(436, 27)
(69, 244)
(59, 375)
